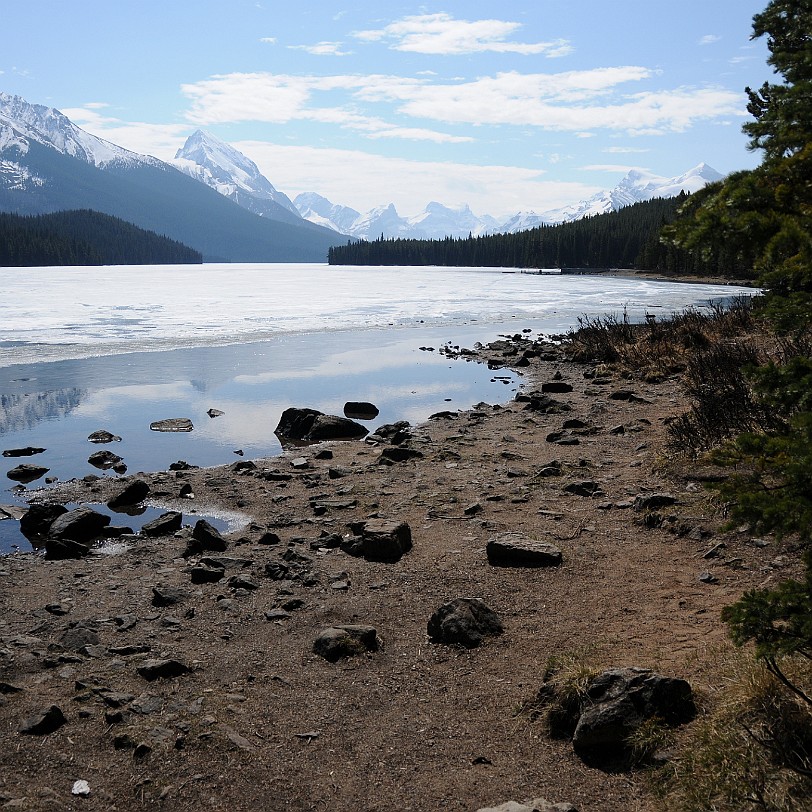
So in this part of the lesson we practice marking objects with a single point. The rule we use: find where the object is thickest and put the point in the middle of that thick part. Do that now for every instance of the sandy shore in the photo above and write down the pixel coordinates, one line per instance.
(261, 722)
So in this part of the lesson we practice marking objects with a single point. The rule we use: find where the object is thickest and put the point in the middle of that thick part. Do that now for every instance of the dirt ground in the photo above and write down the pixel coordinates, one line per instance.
(263, 723)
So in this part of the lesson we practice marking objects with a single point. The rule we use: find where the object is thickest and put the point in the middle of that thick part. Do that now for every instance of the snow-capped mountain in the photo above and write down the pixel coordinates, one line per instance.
(636, 187)
(20, 121)
(435, 222)
(235, 176)
(318, 209)
(438, 221)
(49, 164)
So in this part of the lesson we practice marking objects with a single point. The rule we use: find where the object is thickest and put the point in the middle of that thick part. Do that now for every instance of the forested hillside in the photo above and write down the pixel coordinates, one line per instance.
(628, 238)
(85, 238)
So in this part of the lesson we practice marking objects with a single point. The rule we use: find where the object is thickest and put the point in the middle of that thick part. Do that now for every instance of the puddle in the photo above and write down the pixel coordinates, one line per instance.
(133, 518)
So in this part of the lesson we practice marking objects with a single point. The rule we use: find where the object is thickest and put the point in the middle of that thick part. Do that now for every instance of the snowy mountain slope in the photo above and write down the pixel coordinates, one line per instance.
(49, 164)
(636, 187)
(320, 210)
(234, 175)
(20, 120)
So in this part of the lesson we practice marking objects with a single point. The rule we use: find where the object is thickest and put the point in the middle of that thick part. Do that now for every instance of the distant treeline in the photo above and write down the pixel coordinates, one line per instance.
(628, 238)
(84, 237)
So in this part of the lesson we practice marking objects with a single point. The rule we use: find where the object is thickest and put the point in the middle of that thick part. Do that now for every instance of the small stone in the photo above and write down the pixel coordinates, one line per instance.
(162, 669)
(81, 788)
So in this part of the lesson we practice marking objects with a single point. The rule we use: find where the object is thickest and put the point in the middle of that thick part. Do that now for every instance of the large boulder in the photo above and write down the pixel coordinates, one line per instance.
(37, 521)
(350, 640)
(27, 472)
(465, 622)
(104, 459)
(618, 702)
(384, 540)
(360, 410)
(310, 425)
(135, 492)
(82, 524)
(166, 524)
(205, 538)
(518, 550)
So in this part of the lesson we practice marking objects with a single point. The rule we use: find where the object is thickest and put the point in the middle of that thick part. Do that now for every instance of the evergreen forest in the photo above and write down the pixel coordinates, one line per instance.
(84, 237)
(627, 238)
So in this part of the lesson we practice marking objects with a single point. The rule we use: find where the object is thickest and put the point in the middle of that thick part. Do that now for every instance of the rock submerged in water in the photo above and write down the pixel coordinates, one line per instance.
(360, 410)
(172, 424)
(28, 451)
(104, 460)
(103, 436)
(27, 472)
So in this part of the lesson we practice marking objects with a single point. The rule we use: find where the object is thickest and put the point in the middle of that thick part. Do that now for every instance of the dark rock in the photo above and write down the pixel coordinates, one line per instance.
(164, 525)
(277, 571)
(360, 410)
(28, 451)
(135, 492)
(395, 433)
(206, 575)
(6, 688)
(517, 550)
(323, 454)
(465, 622)
(618, 702)
(172, 424)
(556, 387)
(269, 537)
(542, 402)
(277, 614)
(399, 454)
(311, 425)
(214, 412)
(102, 436)
(385, 540)
(103, 459)
(654, 501)
(205, 538)
(181, 465)
(64, 549)
(78, 636)
(583, 488)
(243, 465)
(240, 582)
(339, 642)
(27, 472)
(167, 596)
(162, 669)
(38, 519)
(44, 723)
(82, 525)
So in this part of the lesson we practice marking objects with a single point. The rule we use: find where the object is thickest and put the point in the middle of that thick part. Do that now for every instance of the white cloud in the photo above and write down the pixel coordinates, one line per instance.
(709, 39)
(159, 140)
(441, 34)
(356, 178)
(612, 168)
(268, 40)
(625, 150)
(322, 49)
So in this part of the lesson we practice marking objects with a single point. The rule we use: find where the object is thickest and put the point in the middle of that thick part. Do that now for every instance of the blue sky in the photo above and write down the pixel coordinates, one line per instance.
(505, 106)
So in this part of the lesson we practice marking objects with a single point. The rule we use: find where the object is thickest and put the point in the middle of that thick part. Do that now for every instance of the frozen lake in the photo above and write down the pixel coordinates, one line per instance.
(116, 348)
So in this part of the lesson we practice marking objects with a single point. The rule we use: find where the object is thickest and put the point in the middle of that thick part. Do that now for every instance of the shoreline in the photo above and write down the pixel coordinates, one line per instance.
(436, 725)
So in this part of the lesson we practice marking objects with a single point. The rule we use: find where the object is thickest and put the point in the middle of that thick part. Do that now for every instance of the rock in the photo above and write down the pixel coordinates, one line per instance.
(172, 424)
(399, 454)
(465, 622)
(339, 642)
(44, 723)
(38, 519)
(360, 410)
(583, 488)
(164, 525)
(81, 788)
(78, 637)
(102, 436)
(82, 525)
(162, 669)
(64, 549)
(618, 702)
(654, 501)
(394, 433)
(207, 575)
(135, 492)
(28, 451)
(556, 387)
(27, 472)
(311, 425)
(104, 459)
(518, 550)
(167, 596)
(205, 538)
(214, 412)
(384, 540)
(536, 805)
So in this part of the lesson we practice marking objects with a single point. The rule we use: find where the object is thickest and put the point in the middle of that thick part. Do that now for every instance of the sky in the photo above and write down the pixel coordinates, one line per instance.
(506, 107)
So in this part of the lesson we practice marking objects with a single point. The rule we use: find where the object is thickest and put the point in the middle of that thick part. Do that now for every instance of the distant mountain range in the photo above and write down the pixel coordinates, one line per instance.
(438, 221)
(49, 164)
(215, 199)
